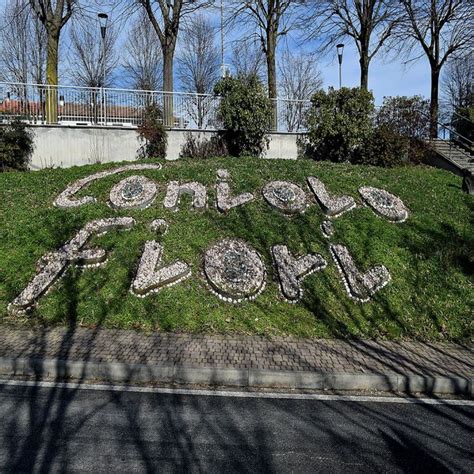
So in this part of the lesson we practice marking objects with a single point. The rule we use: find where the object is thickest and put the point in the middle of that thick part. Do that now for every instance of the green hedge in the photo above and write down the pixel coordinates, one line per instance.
(245, 113)
(16, 146)
(339, 123)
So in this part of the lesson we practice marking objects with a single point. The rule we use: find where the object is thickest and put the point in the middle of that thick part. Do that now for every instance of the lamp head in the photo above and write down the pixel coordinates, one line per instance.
(103, 20)
(340, 50)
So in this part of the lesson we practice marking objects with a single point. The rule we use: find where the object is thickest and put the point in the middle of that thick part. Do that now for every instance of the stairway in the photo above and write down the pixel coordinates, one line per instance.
(454, 155)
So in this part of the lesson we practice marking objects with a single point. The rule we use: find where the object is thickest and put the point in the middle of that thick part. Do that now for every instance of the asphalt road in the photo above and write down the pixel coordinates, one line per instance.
(69, 429)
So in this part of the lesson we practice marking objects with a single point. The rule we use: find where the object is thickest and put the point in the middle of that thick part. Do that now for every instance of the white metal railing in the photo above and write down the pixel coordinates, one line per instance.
(291, 115)
(88, 106)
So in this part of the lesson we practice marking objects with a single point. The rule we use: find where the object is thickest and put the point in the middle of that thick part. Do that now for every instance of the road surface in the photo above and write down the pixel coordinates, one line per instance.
(66, 428)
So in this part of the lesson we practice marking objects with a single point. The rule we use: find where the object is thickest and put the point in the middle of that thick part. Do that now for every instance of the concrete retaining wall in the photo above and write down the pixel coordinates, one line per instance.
(71, 146)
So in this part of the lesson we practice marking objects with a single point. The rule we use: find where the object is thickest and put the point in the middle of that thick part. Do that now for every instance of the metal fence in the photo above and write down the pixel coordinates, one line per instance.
(86, 106)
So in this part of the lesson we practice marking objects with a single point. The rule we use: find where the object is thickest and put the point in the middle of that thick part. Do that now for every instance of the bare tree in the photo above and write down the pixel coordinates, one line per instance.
(442, 29)
(92, 62)
(143, 61)
(15, 43)
(198, 65)
(458, 81)
(37, 54)
(269, 20)
(247, 59)
(369, 23)
(198, 61)
(22, 52)
(299, 80)
(53, 15)
(22, 45)
(300, 77)
(165, 17)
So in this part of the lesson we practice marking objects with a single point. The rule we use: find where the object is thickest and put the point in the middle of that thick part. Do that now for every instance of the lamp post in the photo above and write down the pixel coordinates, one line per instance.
(222, 39)
(340, 50)
(103, 21)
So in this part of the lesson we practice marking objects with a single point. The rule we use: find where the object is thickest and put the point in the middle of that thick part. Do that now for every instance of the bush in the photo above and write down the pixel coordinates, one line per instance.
(339, 123)
(384, 148)
(197, 148)
(153, 132)
(16, 146)
(245, 113)
(408, 118)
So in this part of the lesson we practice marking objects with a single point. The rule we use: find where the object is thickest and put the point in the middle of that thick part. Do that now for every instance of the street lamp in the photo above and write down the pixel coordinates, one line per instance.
(340, 50)
(103, 21)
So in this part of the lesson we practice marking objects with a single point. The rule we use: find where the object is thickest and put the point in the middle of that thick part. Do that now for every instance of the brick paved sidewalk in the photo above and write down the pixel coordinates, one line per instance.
(240, 352)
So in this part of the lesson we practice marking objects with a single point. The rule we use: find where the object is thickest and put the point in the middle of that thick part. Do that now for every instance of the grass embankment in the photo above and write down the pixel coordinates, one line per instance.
(429, 256)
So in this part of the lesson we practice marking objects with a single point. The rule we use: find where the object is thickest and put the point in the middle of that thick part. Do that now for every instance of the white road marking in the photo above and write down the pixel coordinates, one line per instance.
(236, 394)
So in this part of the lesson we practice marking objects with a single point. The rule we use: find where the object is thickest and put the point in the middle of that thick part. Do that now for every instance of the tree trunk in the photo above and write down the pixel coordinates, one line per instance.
(364, 51)
(52, 76)
(168, 113)
(434, 102)
(364, 70)
(271, 76)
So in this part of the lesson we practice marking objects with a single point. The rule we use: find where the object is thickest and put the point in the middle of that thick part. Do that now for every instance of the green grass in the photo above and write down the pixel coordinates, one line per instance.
(430, 256)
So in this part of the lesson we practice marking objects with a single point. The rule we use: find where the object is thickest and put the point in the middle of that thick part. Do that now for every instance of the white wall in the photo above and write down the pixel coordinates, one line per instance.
(61, 146)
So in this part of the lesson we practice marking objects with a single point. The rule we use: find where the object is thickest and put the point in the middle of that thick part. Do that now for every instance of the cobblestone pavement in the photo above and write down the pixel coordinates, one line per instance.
(252, 352)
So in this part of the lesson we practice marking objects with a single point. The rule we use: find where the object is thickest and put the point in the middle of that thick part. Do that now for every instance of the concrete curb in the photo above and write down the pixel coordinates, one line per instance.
(254, 378)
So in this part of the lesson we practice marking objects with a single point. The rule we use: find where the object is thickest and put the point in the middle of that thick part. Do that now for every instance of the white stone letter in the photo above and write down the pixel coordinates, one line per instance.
(291, 271)
(359, 286)
(53, 264)
(176, 190)
(332, 206)
(152, 275)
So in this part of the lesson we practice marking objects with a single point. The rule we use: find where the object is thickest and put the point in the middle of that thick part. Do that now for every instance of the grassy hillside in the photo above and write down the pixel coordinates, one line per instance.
(430, 256)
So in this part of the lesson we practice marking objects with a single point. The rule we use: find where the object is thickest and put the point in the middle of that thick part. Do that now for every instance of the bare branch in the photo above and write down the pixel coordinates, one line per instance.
(271, 19)
(22, 45)
(369, 23)
(248, 58)
(143, 58)
(166, 23)
(442, 29)
(93, 62)
(198, 62)
(458, 87)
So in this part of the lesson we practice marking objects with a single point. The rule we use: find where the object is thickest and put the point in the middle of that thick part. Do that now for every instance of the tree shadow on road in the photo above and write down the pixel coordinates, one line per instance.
(63, 428)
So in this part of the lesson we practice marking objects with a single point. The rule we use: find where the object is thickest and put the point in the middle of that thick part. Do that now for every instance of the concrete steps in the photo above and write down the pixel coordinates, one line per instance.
(457, 156)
